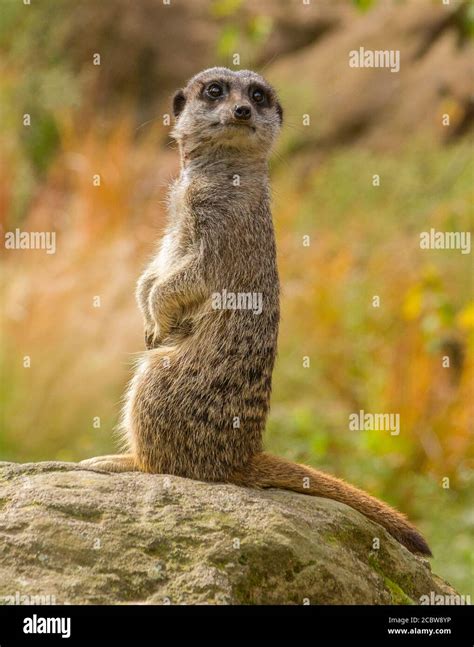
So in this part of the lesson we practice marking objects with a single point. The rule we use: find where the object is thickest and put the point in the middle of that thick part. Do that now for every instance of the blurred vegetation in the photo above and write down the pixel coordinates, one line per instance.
(364, 242)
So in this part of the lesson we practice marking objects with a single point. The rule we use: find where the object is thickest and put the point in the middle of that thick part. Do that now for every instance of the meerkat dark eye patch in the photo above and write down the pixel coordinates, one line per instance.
(214, 90)
(258, 96)
(265, 98)
(279, 110)
(179, 101)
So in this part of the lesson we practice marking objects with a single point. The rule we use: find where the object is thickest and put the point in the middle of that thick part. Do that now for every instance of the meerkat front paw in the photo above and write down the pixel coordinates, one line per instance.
(149, 339)
(159, 330)
(153, 337)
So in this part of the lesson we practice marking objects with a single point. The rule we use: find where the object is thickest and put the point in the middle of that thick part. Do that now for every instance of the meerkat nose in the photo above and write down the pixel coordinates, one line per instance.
(243, 113)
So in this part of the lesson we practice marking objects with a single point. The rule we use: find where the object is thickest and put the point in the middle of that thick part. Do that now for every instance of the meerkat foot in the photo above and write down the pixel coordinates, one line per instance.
(111, 463)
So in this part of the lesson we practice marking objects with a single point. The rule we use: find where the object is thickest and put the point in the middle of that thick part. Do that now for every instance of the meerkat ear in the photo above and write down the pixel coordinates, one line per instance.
(279, 110)
(178, 103)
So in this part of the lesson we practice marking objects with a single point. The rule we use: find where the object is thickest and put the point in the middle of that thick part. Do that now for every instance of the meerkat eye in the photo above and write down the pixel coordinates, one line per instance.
(257, 95)
(214, 91)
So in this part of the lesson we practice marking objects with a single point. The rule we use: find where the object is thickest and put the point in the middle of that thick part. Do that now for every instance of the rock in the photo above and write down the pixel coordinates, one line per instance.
(77, 536)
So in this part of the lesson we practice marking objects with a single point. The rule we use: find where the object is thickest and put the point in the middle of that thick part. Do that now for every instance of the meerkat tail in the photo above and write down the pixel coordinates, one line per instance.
(265, 470)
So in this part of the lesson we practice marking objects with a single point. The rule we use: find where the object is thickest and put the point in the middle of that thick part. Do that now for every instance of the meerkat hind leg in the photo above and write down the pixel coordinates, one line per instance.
(112, 463)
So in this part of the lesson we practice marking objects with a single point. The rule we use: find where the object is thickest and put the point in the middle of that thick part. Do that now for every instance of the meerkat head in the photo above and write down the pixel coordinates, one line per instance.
(222, 109)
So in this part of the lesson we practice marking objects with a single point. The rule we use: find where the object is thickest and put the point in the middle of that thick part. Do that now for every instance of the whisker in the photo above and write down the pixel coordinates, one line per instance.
(145, 123)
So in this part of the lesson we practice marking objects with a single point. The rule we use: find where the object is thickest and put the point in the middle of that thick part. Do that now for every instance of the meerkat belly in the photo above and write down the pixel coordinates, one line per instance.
(201, 405)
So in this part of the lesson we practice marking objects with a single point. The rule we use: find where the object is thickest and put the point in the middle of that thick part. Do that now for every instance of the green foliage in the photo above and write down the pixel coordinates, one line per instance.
(364, 5)
(228, 41)
(40, 145)
(225, 8)
(465, 21)
(244, 35)
(259, 29)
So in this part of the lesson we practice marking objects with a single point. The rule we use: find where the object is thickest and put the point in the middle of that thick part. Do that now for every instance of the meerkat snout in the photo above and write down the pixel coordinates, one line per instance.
(242, 113)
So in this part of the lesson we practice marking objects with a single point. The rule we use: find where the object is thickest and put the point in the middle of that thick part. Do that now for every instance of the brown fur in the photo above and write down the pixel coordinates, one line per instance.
(199, 400)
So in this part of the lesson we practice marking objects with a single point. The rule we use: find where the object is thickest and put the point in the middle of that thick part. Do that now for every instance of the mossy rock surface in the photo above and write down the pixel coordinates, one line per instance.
(69, 535)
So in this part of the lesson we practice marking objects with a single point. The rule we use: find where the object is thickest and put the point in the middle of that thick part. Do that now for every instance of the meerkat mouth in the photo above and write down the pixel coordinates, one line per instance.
(234, 124)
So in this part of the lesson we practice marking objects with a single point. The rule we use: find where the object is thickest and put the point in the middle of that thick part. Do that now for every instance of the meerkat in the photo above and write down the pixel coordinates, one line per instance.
(198, 402)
